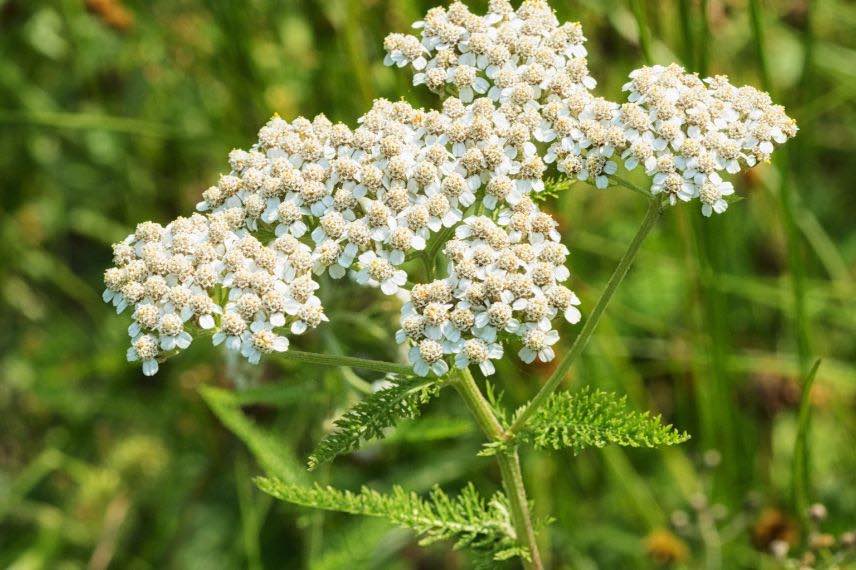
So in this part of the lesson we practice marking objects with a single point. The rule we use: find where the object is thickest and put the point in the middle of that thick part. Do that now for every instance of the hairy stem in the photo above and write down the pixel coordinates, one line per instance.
(350, 361)
(509, 466)
(655, 208)
(512, 480)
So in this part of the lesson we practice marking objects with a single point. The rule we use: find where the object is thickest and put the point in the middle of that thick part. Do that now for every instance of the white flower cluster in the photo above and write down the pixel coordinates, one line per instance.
(682, 129)
(376, 193)
(315, 198)
(208, 274)
(685, 131)
(535, 70)
(505, 281)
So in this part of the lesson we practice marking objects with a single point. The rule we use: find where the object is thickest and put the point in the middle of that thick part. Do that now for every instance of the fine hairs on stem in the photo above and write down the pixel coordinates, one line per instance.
(462, 188)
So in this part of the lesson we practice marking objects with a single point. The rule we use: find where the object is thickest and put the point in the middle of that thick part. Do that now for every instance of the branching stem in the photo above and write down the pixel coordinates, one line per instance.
(507, 456)
(655, 208)
(509, 465)
(349, 361)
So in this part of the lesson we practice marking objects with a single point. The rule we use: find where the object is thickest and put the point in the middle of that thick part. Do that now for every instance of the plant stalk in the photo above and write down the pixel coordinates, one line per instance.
(349, 361)
(655, 208)
(509, 466)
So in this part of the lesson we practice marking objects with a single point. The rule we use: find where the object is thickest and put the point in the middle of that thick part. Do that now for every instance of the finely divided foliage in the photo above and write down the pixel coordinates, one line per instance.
(314, 199)
(467, 520)
(594, 418)
(401, 399)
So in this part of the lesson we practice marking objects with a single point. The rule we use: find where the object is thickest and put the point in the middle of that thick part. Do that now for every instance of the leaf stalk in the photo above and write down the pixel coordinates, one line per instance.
(655, 209)
(349, 361)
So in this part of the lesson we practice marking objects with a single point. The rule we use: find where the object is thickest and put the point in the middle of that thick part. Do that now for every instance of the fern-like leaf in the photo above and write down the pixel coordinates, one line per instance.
(368, 419)
(467, 520)
(594, 418)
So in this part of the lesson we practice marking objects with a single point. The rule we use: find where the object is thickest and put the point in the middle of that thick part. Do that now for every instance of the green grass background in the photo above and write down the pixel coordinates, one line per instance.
(117, 111)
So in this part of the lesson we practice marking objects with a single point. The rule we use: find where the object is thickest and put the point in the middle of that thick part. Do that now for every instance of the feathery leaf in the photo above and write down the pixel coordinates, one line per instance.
(402, 399)
(467, 520)
(594, 418)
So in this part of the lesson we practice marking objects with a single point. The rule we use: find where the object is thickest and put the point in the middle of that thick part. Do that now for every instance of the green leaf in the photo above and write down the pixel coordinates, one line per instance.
(365, 544)
(368, 419)
(467, 520)
(275, 457)
(594, 418)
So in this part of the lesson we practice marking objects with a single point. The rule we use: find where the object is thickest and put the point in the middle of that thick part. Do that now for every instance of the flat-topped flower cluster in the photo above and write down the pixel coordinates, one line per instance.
(505, 279)
(314, 198)
(208, 274)
(683, 130)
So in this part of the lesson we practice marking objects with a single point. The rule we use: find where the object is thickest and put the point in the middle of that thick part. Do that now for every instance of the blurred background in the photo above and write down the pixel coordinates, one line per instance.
(117, 111)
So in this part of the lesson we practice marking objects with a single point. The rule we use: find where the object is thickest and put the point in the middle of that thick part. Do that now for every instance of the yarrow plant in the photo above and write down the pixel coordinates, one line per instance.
(460, 188)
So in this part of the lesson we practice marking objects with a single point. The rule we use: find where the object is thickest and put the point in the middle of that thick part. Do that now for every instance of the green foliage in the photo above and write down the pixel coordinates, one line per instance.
(552, 188)
(595, 418)
(272, 454)
(468, 519)
(103, 128)
(368, 419)
(363, 543)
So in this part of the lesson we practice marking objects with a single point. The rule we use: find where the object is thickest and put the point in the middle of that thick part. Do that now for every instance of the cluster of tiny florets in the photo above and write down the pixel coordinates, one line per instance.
(208, 274)
(505, 282)
(686, 132)
(315, 198)
(365, 198)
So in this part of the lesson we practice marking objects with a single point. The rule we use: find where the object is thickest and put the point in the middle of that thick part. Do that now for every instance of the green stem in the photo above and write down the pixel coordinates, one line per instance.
(655, 208)
(787, 201)
(478, 405)
(630, 186)
(509, 466)
(512, 480)
(350, 361)
(428, 264)
(684, 9)
(87, 121)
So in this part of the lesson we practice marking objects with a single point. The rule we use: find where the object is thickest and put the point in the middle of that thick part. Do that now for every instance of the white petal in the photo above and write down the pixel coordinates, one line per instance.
(421, 368)
(150, 367)
(527, 355)
(389, 287)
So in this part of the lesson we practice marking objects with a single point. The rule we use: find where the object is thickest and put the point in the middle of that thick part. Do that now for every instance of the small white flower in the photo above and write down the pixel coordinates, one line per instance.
(377, 271)
(538, 344)
(262, 340)
(478, 352)
(145, 348)
(427, 357)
